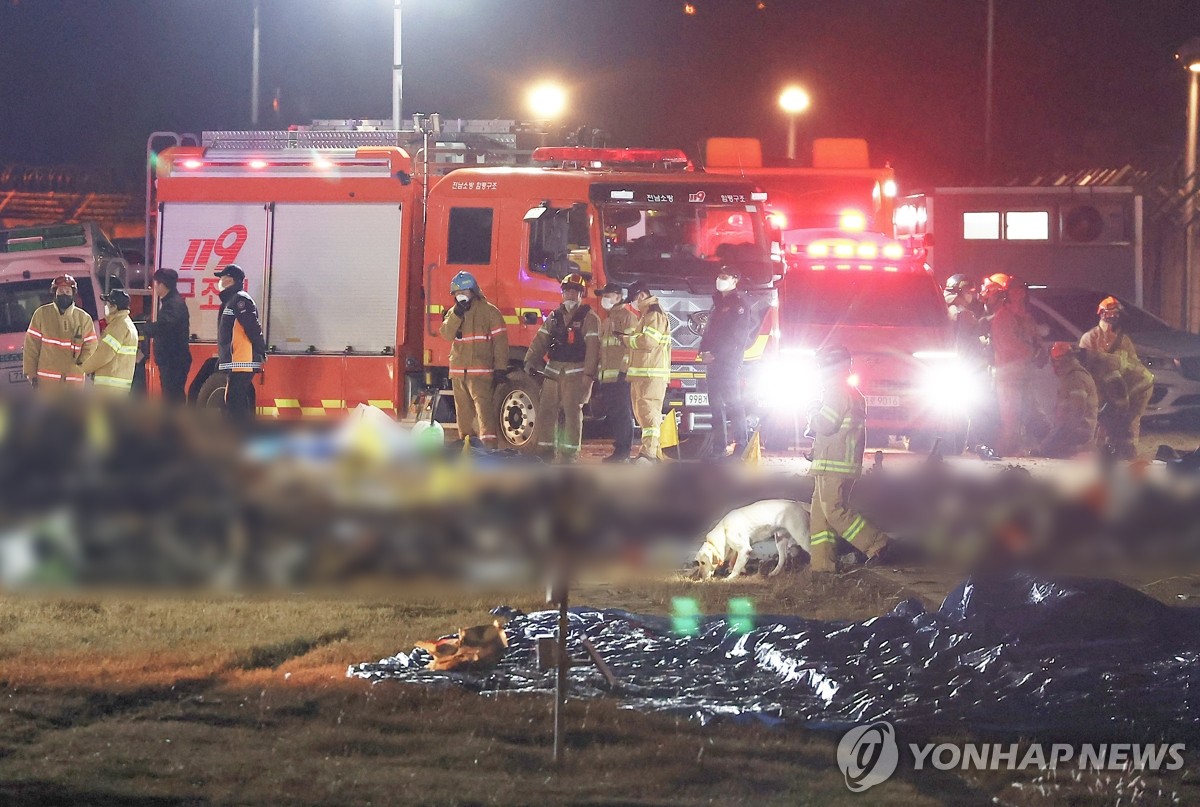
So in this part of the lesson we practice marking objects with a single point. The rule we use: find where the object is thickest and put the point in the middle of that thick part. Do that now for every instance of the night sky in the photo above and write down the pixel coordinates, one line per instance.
(1079, 83)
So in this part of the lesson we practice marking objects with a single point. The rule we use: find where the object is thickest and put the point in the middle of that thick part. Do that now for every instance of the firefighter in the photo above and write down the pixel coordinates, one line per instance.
(722, 349)
(112, 363)
(1109, 337)
(613, 392)
(241, 349)
(478, 358)
(838, 425)
(960, 304)
(649, 368)
(170, 333)
(1073, 429)
(59, 335)
(1016, 353)
(1112, 417)
(566, 351)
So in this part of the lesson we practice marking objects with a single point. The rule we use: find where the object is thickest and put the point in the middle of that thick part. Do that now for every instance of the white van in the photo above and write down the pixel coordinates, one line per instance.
(30, 258)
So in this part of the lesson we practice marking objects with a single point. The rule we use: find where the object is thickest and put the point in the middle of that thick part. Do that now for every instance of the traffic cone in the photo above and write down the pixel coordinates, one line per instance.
(668, 434)
(753, 453)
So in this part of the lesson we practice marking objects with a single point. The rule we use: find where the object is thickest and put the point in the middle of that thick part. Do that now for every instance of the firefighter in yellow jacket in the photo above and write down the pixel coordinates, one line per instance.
(1073, 429)
(837, 424)
(566, 351)
(613, 391)
(1113, 395)
(112, 364)
(1109, 337)
(59, 336)
(649, 368)
(478, 358)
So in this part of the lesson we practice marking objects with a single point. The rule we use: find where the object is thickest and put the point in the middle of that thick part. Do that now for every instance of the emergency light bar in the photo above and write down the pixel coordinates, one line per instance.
(248, 164)
(845, 254)
(602, 158)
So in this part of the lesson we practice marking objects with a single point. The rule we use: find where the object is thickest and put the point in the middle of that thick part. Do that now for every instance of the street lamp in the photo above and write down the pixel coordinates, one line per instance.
(547, 100)
(1189, 57)
(793, 100)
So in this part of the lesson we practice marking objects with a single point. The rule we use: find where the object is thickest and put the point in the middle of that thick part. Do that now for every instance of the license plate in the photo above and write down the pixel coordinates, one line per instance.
(883, 400)
(15, 376)
(695, 399)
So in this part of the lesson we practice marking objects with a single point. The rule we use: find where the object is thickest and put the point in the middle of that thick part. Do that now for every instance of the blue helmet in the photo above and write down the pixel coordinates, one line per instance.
(464, 281)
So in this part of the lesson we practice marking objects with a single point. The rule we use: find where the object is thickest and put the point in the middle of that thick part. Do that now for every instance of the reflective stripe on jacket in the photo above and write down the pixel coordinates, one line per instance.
(240, 344)
(115, 357)
(650, 343)
(55, 341)
(1138, 377)
(840, 429)
(478, 339)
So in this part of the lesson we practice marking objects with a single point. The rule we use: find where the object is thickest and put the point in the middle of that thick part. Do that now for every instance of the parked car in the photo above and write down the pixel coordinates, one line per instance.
(1171, 354)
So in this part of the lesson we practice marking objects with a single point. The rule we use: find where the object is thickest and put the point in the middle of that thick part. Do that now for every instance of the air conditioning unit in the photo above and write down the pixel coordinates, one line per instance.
(1097, 221)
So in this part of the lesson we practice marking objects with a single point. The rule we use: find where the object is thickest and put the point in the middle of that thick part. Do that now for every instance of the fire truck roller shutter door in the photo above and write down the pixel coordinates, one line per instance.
(334, 279)
(198, 238)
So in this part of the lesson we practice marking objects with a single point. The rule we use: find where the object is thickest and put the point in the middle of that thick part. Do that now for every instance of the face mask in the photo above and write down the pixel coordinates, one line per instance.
(463, 298)
(725, 284)
(570, 304)
(64, 301)
(608, 303)
(109, 309)
(637, 304)
(1106, 324)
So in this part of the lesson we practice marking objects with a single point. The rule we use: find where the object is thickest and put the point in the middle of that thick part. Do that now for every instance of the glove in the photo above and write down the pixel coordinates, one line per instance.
(499, 376)
(532, 371)
(621, 376)
(461, 307)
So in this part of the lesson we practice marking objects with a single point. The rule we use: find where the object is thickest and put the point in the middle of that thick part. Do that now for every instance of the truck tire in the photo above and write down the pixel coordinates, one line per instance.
(516, 404)
(212, 392)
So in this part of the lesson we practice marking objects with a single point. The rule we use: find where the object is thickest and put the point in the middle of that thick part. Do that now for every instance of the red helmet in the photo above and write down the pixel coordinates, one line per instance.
(64, 281)
(1109, 305)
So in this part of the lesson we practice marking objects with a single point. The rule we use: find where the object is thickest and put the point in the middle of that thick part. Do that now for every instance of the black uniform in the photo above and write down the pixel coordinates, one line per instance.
(727, 335)
(171, 332)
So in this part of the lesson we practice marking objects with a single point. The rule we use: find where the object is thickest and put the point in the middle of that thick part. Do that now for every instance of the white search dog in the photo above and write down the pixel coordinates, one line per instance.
(784, 520)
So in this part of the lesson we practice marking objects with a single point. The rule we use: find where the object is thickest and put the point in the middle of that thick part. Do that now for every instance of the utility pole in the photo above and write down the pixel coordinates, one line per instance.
(397, 69)
(254, 59)
(987, 112)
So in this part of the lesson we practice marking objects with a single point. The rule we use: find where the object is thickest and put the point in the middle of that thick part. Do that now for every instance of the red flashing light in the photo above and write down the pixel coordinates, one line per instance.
(257, 164)
(777, 220)
(853, 380)
(193, 163)
(852, 221)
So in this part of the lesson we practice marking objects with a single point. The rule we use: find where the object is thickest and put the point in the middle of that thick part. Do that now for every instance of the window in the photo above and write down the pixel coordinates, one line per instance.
(981, 226)
(558, 241)
(1031, 225)
(470, 235)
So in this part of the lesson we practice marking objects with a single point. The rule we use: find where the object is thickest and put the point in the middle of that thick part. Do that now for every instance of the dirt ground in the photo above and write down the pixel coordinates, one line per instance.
(155, 699)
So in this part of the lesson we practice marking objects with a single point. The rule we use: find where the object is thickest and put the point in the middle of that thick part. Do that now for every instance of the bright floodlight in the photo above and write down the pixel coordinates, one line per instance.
(793, 100)
(547, 101)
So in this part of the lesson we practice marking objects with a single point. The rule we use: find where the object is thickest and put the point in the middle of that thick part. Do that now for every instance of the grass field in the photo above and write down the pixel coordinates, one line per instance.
(115, 698)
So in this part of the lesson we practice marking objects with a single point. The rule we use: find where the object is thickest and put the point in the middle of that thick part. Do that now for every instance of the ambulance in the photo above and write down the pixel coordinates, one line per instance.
(349, 253)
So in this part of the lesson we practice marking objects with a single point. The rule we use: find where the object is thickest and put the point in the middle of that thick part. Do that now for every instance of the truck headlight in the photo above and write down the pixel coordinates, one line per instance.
(951, 386)
(789, 380)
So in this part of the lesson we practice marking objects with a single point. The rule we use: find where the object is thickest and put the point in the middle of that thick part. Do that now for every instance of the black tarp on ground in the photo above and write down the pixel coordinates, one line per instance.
(1021, 656)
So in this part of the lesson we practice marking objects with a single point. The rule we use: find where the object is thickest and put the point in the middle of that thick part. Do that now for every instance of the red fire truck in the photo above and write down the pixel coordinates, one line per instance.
(349, 253)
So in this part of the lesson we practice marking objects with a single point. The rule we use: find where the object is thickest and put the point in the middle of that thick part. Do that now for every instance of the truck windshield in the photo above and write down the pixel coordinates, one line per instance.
(831, 297)
(673, 245)
(19, 300)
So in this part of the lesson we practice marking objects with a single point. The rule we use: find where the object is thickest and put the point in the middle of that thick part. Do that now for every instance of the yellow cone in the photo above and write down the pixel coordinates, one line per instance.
(668, 435)
(753, 453)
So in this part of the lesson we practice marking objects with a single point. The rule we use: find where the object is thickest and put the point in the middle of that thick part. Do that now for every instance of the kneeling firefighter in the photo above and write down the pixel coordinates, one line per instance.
(566, 350)
(478, 358)
(838, 423)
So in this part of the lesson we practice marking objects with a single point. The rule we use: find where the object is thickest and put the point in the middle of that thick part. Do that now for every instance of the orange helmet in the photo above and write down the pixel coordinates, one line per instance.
(1109, 305)
(575, 280)
(994, 285)
(1060, 349)
(64, 281)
